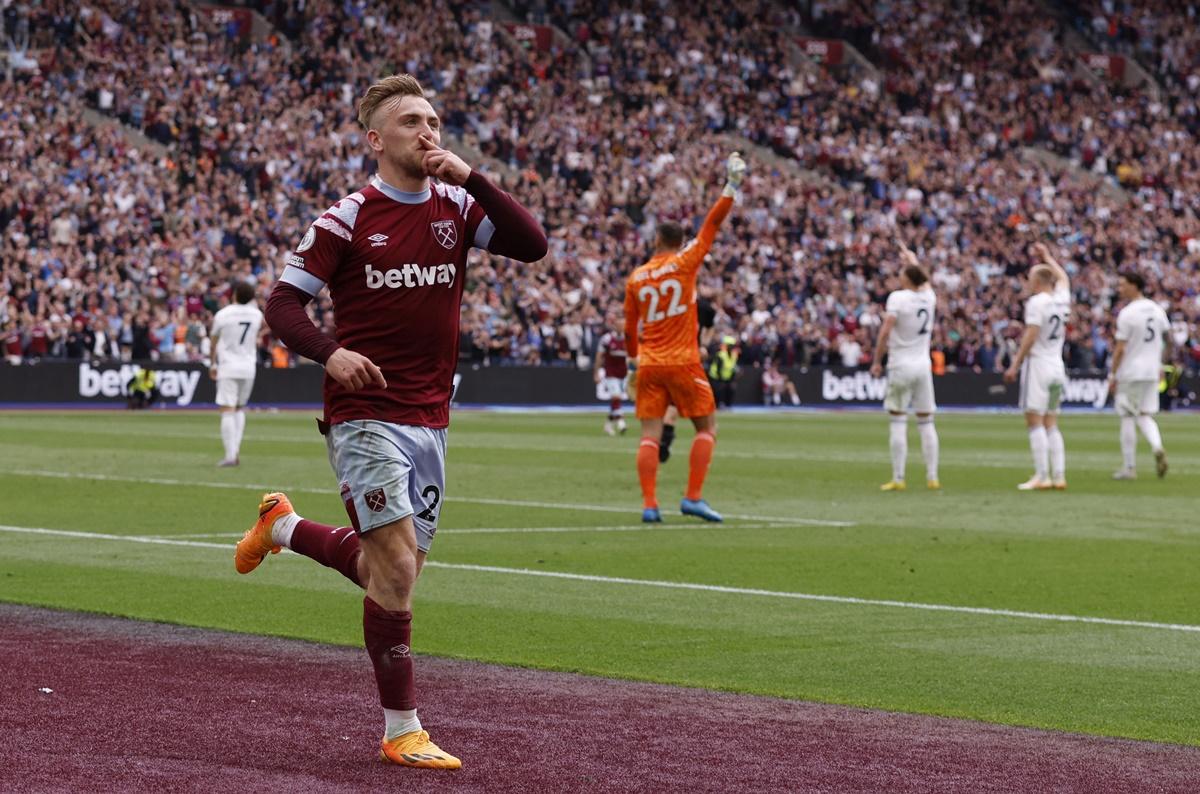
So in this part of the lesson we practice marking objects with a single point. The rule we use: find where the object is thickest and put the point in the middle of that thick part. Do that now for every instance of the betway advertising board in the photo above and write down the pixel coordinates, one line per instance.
(183, 385)
(859, 387)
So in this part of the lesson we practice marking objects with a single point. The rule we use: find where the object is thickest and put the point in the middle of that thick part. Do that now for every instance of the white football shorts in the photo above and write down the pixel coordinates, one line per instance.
(234, 392)
(1042, 384)
(909, 387)
(389, 471)
(611, 388)
(1137, 397)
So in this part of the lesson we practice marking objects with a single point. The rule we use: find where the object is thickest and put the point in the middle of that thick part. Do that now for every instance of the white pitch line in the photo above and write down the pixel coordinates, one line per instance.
(816, 522)
(533, 530)
(68, 533)
(707, 588)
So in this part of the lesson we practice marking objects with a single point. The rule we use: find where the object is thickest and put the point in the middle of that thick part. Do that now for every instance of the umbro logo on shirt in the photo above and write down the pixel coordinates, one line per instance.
(378, 240)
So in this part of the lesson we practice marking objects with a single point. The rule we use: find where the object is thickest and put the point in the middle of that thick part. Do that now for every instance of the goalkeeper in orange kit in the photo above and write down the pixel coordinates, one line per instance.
(660, 335)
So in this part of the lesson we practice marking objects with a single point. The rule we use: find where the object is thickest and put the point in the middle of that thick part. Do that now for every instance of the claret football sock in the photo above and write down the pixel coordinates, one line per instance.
(388, 637)
(334, 547)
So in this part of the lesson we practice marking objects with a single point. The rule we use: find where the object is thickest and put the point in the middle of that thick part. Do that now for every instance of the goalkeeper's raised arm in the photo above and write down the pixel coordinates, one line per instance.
(694, 252)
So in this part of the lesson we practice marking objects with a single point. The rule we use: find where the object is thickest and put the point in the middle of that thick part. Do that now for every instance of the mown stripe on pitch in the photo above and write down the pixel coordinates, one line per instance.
(708, 588)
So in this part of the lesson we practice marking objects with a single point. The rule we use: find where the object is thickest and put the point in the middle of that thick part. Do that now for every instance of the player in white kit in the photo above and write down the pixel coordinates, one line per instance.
(235, 332)
(1043, 374)
(904, 336)
(1143, 336)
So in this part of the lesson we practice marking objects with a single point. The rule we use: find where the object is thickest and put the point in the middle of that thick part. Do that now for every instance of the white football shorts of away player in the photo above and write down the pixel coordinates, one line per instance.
(236, 327)
(909, 370)
(1043, 375)
(1142, 326)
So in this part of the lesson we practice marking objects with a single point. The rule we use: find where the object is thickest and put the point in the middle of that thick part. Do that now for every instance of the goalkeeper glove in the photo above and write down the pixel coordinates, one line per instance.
(735, 172)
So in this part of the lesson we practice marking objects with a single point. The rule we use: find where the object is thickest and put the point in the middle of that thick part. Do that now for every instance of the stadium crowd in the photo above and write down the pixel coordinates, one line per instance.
(111, 249)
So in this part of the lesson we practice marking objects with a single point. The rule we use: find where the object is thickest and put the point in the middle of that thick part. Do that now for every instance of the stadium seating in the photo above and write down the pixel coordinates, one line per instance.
(977, 132)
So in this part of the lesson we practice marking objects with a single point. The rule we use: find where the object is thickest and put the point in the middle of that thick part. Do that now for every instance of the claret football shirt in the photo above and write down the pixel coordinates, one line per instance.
(394, 265)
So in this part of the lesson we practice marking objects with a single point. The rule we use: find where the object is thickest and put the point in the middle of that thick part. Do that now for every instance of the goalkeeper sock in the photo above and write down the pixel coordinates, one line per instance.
(700, 460)
(647, 469)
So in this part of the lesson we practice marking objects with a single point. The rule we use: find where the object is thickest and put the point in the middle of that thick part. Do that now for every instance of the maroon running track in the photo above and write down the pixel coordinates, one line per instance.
(150, 707)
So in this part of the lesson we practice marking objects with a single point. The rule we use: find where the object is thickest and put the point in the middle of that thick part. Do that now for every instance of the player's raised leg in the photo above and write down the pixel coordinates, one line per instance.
(279, 526)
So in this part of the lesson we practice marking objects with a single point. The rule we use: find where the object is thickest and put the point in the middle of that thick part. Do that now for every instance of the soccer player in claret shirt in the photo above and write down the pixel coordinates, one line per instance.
(610, 375)
(392, 256)
(660, 298)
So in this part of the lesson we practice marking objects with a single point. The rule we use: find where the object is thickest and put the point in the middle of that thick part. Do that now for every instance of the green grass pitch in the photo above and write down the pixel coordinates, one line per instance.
(549, 493)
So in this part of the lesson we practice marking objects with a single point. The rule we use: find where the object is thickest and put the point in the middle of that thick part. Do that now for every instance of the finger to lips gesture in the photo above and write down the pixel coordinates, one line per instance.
(443, 164)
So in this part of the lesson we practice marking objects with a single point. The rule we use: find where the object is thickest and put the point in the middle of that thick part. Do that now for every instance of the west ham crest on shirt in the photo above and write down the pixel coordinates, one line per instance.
(376, 500)
(445, 233)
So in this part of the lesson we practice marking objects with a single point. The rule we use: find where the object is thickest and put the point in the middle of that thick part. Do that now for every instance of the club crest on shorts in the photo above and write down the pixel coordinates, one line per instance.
(445, 233)
(376, 500)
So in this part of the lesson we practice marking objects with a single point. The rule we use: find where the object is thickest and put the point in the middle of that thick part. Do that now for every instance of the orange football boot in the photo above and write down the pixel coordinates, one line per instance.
(256, 544)
(415, 749)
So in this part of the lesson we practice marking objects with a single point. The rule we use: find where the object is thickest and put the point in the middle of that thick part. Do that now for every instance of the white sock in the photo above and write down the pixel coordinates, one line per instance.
(1037, 445)
(1058, 453)
(282, 529)
(929, 447)
(228, 434)
(399, 722)
(1129, 442)
(1149, 429)
(239, 417)
(898, 437)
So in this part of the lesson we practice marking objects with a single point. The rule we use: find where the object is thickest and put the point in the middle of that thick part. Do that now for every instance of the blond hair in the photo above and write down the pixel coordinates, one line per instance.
(1042, 274)
(385, 89)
